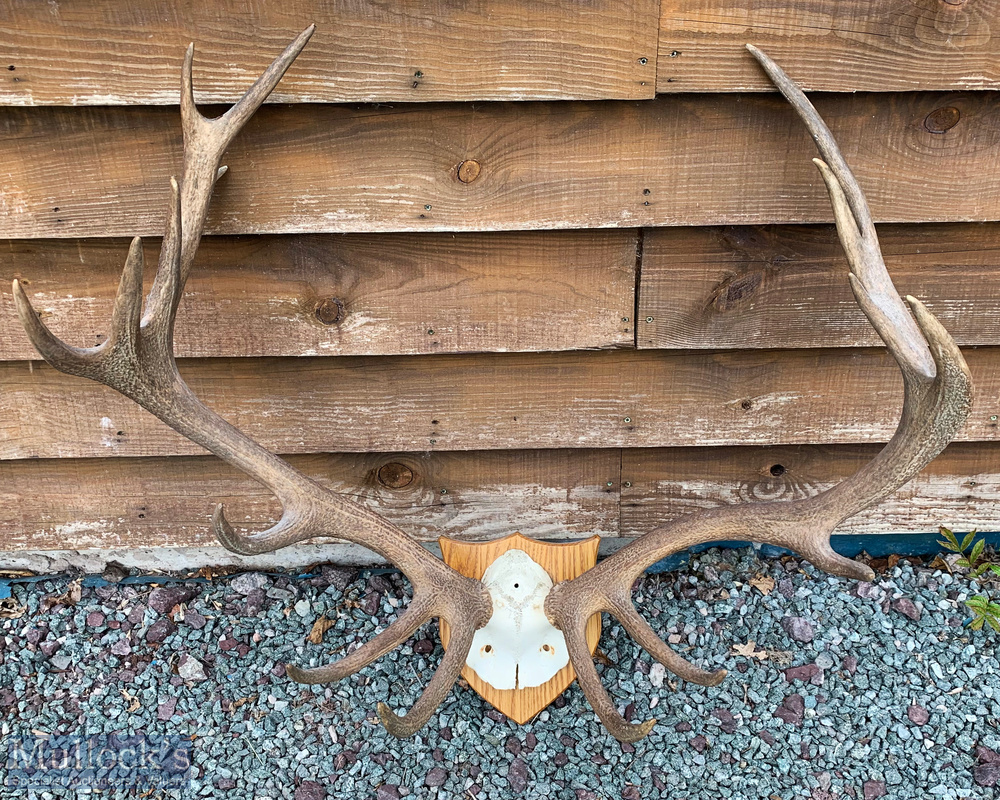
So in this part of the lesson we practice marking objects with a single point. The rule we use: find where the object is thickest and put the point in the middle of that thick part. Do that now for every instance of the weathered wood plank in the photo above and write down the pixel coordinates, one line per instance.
(70, 504)
(579, 399)
(786, 286)
(349, 295)
(107, 53)
(676, 160)
(91, 504)
(959, 489)
(829, 45)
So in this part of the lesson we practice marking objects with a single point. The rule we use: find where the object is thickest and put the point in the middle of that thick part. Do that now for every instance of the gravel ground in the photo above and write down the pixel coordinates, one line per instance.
(849, 690)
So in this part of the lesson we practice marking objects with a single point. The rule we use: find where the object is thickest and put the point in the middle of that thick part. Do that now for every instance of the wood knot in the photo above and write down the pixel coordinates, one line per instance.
(942, 119)
(469, 170)
(395, 475)
(331, 311)
(735, 289)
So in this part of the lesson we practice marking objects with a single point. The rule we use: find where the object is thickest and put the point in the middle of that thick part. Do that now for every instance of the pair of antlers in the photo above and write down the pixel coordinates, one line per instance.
(137, 360)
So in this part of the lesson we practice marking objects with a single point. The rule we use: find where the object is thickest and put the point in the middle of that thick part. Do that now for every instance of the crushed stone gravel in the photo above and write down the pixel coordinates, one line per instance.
(848, 690)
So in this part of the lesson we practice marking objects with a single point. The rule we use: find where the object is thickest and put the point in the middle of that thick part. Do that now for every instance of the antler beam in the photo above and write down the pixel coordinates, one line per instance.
(137, 360)
(937, 400)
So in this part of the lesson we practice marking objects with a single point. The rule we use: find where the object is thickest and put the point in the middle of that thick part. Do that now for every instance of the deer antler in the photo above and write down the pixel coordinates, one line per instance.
(137, 360)
(937, 400)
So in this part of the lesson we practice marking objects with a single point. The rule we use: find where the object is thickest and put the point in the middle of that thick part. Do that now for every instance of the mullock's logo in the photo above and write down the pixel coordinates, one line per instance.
(102, 762)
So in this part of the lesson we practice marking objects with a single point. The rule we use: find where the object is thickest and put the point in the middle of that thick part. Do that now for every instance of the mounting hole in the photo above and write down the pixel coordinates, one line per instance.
(777, 470)
(516, 585)
(488, 648)
(546, 648)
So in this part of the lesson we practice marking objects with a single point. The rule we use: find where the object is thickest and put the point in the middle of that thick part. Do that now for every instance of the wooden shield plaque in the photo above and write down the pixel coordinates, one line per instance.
(562, 561)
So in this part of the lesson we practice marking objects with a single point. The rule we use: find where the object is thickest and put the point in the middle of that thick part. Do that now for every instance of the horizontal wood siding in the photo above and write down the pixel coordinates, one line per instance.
(104, 504)
(676, 160)
(786, 286)
(468, 268)
(960, 489)
(349, 295)
(623, 398)
(830, 45)
(105, 52)
(168, 502)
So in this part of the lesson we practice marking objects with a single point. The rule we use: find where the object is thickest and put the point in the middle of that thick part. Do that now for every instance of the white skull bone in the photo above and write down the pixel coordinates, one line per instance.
(518, 648)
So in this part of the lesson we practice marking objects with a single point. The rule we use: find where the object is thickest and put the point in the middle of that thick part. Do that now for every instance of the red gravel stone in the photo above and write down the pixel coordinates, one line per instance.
(907, 608)
(517, 775)
(436, 777)
(310, 790)
(791, 710)
(802, 673)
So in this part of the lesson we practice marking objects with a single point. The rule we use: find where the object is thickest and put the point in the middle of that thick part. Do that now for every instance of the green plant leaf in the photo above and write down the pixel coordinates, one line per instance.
(995, 569)
(963, 562)
(977, 623)
(979, 570)
(977, 603)
(994, 624)
(977, 551)
(969, 537)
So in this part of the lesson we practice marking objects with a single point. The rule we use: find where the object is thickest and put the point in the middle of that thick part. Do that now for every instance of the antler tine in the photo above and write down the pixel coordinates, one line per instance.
(937, 400)
(388, 640)
(463, 603)
(137, 360)
(593, 690)
(237, 116)
(463, 630)
(119, 349)
(205, 141)
(462, 633)
(887, 312)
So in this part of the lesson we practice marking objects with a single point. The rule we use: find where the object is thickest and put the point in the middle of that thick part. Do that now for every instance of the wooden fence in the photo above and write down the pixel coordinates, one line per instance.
(557, 267)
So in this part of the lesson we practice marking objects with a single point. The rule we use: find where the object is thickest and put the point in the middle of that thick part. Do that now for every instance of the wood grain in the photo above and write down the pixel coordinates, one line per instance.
(786, 286)
(87, 504)
(563, 561)
(611, 398)
(960, 489)
(108, 53)
(92, 504)
(349, 295)
(830, 45)
(676, 160)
